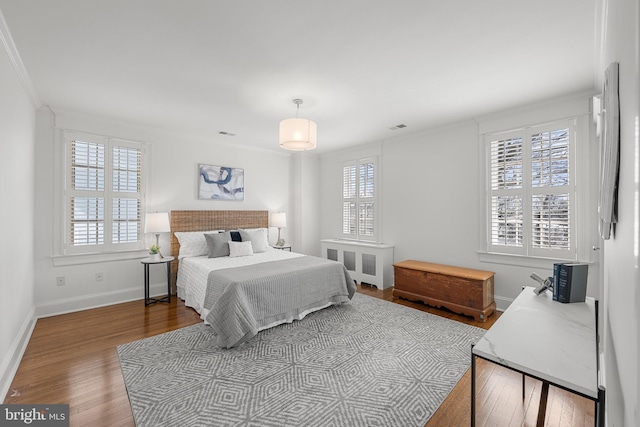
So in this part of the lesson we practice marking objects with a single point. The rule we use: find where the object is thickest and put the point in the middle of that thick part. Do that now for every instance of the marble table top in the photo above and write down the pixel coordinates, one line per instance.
(546, 339)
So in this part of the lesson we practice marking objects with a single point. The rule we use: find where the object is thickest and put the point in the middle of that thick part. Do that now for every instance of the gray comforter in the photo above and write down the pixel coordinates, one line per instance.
(241, 301)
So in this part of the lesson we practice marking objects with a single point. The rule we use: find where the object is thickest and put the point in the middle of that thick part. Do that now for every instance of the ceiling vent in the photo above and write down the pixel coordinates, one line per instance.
(226, 133)
(396, 127)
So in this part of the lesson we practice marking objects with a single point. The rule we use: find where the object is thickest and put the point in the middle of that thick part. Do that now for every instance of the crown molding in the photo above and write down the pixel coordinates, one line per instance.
(18, 65)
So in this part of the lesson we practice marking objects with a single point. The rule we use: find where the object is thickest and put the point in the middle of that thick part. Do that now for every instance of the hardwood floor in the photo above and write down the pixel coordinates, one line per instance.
(72, 359)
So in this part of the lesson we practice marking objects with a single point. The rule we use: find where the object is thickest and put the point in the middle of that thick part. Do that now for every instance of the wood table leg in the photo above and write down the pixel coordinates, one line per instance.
(542, 410)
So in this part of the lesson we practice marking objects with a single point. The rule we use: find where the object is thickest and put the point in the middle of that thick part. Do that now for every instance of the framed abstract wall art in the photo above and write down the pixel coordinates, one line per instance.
(220, 183)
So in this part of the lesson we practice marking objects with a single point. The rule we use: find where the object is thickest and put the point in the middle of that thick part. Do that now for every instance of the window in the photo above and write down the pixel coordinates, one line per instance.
(358, 199)
(531, 197)
(103, 194)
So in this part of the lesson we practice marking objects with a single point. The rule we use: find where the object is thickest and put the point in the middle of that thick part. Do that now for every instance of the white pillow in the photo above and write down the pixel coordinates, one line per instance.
(193, 243)
(240, 248)
(258, 237)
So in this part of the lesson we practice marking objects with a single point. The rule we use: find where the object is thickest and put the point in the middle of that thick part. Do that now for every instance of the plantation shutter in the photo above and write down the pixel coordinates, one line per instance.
(507, 216)
(358, 199)
(349, 200)
(104, 195)
(531, 191)
(366, 194)
(127, 173)
(550, 181)
(88, 193)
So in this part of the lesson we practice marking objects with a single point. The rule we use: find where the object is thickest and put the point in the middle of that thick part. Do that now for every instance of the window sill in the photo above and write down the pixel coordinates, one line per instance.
(364, 243)
(522, 261)
(77, 259)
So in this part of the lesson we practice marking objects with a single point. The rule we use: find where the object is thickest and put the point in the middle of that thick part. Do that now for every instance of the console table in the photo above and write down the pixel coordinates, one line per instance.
(553, 342)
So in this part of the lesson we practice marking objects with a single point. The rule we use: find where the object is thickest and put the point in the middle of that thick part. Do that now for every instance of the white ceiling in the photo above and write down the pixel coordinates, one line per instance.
(199, 67)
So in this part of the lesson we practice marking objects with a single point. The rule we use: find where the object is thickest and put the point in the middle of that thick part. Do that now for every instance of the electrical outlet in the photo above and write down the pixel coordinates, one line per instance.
(99, 277)
(60, 281)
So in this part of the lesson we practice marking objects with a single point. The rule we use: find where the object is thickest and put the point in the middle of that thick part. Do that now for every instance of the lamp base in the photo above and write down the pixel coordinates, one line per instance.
(280, 241)
(158, 244)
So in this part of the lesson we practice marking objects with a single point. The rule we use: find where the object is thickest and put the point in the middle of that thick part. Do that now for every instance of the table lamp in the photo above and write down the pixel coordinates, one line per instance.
(279, 220)
(157, 223)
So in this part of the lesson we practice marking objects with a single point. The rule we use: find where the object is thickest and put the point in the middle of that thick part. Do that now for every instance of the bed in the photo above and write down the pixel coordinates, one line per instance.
(243, 291)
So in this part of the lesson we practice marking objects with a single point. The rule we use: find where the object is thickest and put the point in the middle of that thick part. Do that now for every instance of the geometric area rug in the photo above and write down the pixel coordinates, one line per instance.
(368, 362)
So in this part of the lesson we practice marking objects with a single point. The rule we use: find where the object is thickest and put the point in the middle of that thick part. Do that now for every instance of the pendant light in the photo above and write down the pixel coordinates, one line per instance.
(298, 134)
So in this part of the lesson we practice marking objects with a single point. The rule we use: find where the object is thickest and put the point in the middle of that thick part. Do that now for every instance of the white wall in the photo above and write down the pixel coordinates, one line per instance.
(172, 184)
(304, 216)
(431, 207)
(17, 176)
(429, 193)
(621, 253)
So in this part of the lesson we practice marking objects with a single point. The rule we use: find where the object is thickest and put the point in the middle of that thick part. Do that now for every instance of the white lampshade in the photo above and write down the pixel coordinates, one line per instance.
(298, 134)
(157, 223)
(279, 220)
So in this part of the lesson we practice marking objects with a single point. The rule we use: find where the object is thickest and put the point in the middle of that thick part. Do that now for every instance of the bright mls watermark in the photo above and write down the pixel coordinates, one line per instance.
(34, 415)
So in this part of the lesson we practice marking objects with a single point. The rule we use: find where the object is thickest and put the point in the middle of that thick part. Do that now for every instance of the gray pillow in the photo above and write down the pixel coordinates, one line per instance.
(258, 237)
(218, 244)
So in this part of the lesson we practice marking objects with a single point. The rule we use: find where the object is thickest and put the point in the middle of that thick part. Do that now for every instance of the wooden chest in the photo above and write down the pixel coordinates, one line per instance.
(461, 290)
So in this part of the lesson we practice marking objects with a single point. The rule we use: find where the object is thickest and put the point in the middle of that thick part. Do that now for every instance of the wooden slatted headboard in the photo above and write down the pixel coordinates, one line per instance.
(210, 220)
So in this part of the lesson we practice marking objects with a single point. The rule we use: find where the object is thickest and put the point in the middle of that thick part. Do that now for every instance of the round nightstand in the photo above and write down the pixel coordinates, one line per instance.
(282, 248)
(147, 262)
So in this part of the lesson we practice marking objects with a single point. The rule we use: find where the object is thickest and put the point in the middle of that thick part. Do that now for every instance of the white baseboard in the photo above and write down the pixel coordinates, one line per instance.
(12, 360)
(85, 302)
